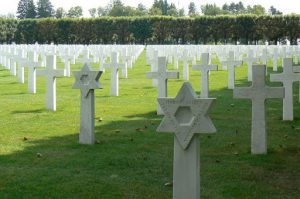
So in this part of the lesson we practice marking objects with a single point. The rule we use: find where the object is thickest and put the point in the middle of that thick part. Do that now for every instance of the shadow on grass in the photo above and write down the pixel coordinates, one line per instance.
(28, 111)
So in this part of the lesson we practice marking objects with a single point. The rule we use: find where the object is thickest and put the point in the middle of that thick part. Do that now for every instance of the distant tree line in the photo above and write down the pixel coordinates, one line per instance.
(44, 9)
(246, 29)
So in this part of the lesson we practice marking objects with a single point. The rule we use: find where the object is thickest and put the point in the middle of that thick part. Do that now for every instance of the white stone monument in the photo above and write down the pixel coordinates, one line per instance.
(32, 65)
(162, 76)
(250, 60)
(186, 115)
(51, 73)
(22, 61)
(258, 93)
(87, 80)
(205, 68)
(185, 58)
(287, 77)
(114, 68)
(231, 64)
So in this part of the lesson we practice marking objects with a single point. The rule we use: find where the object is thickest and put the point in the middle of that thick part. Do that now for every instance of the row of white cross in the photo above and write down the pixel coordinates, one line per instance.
(42, 60)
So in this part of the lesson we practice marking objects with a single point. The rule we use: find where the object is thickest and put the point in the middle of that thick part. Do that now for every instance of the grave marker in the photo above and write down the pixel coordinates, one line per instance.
(205, 69)
(87, 80)
(186, 115)
(231, 64)
(162, 76)
(32, 65)
(51, 73)
(114, 67)
(250, 60)
(287, 77)
(258, 93)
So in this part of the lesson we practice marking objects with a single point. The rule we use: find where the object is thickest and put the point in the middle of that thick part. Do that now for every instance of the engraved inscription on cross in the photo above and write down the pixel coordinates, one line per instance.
(186, 115)
(205, 67)
(258, 93)
(287, 77)
(162, 76)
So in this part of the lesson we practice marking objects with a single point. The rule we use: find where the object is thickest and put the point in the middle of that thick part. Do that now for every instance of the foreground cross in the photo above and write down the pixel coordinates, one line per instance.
(205, 68)
(87, 80)
(231, 64)
(186, 115)
(51, 73)
(114, 68)
(162, 76)
(287, 77)
(258, 93)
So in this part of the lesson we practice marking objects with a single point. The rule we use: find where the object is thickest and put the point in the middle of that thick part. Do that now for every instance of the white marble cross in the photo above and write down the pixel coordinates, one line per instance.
(114, 67)
(87, 80)
(275, 59)
(13, 65)
(22, 61)
(162, 76)
(287, 77)
(205, 67)
(258, 93)
(185, 58)
(32, 65)
(186, 116)
(250, 60)
(86, 57)
(51, 73)
(264, 57)
(67, 61)
(231, 64)
(124, 61)
(154, 65)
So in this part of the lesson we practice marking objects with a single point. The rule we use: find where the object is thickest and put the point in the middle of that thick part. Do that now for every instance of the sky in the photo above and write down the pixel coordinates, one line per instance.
(285, 6)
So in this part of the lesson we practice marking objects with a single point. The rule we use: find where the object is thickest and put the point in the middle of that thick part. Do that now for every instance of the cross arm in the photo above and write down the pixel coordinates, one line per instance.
(275, 92)
(296, 69)
(173, 75)
(243, 93)
(152, 75)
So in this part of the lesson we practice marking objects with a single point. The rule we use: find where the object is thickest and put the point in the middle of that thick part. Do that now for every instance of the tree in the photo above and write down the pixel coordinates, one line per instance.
(155, 11)
(60, 13)
(93, 12)
(44, 9)
(256, 10)
(102, 11)
(181, 12)
(211, 9)
(31, 9)
(22, 9)
(172, 10)
(192, 9)
(75, 12)
(141, 10)
(274, 11)
(118, 9)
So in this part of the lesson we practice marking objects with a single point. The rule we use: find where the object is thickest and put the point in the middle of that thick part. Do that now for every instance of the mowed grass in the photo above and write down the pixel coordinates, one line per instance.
(131, 160)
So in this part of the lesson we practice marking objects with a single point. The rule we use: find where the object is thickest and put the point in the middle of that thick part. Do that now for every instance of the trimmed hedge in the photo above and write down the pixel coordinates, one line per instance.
(247, 29)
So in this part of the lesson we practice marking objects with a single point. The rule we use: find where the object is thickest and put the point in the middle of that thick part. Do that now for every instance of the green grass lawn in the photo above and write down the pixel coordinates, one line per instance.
(131, 160)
